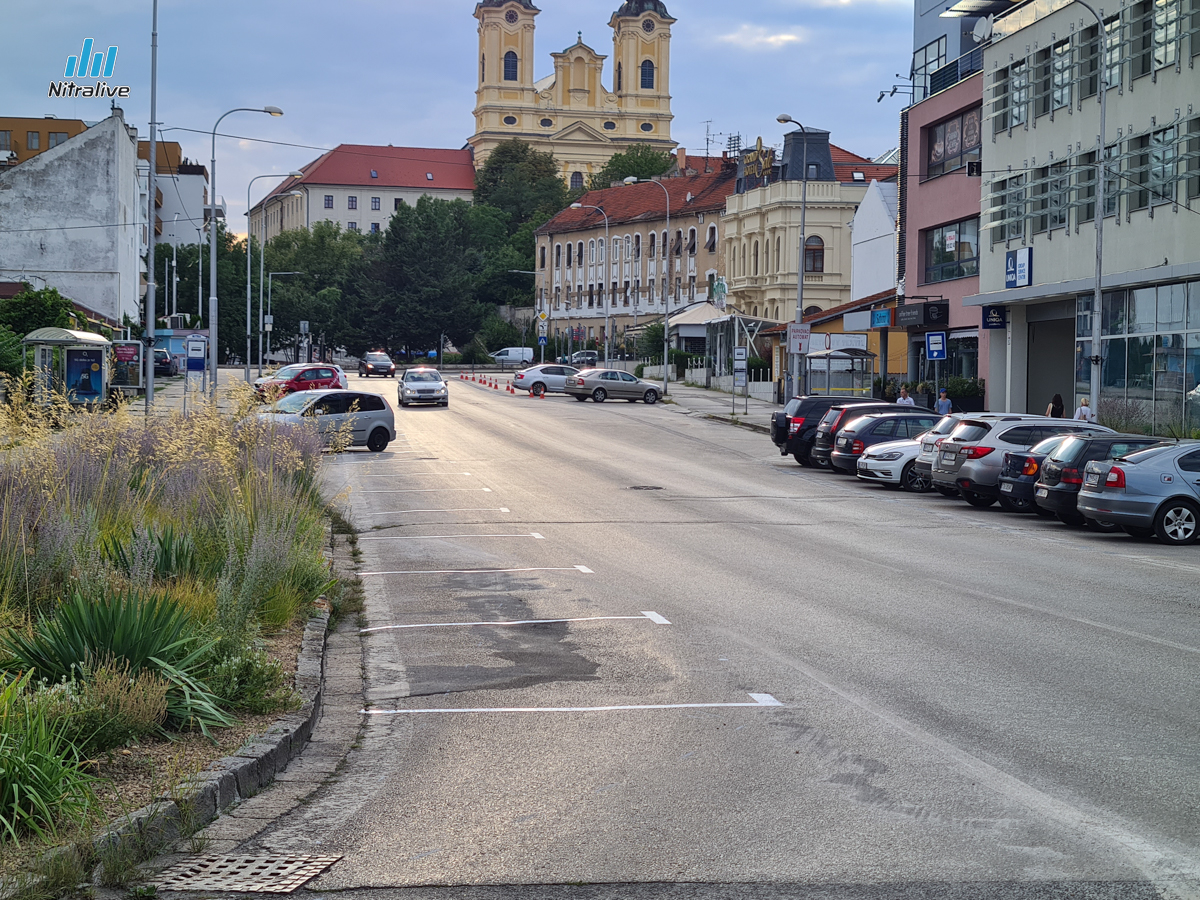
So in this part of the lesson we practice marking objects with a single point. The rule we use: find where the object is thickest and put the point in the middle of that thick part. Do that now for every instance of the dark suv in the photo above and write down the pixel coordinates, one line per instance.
(794, 429)
(843, 413)
(1057, 491)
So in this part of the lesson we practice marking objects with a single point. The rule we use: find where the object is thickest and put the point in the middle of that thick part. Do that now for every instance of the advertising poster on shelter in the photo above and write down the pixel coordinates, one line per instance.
(85, 374)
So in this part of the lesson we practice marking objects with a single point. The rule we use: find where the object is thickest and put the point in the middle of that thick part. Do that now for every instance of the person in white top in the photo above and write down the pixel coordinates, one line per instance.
(904, 399)
(1084, 412)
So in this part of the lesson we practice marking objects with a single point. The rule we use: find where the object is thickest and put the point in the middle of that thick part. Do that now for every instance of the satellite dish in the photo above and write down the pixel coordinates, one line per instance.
(983, 29)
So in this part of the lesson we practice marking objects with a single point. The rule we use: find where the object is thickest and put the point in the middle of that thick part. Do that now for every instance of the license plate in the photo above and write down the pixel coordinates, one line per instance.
(949, 457)
(1093, 478)
(1006, 488)
(1043, 492)
(862, 465)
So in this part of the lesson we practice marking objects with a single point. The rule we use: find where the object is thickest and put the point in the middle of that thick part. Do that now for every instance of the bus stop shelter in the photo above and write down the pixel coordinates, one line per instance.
(75, 362)
(845, 373)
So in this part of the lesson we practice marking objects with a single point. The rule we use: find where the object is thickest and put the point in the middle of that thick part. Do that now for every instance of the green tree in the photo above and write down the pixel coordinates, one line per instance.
(11, 355)
(31, 310)
(639, 160)
(231, 287)
(522, 182)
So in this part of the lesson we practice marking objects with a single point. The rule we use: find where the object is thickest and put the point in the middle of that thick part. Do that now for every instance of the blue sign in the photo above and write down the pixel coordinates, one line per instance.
(881, 318)
(1018, 268)
(541, 340)
(935, 345)
(995, 317)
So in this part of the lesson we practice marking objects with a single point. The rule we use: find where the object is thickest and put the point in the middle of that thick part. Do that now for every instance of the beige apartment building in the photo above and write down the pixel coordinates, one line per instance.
(762, 225)
(571, 113)
(605, 279)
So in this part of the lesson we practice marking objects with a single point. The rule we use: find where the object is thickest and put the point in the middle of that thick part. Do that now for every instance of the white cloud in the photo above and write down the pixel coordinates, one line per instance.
(756, 37)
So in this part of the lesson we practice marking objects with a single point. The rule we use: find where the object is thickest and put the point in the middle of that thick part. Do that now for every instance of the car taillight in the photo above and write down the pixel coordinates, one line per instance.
(1071, 476)
(1115, 479)
(1031, 466)
(936, 444)
(836, 422)
(795, 425)
(856, 448)
(975, 452)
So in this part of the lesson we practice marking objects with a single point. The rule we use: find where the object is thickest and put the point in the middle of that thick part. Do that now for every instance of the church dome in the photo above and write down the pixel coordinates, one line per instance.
(637, 7)
(495, 4)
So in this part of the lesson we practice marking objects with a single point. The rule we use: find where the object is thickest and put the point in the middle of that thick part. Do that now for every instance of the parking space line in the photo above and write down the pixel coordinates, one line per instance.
(427, 491)
(584, 569)
(417, 475)
(760, 701)
(443, 537)
(400, 512)
(653, 617)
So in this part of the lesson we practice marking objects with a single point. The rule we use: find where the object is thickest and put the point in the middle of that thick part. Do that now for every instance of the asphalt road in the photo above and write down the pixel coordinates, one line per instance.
(860, 693)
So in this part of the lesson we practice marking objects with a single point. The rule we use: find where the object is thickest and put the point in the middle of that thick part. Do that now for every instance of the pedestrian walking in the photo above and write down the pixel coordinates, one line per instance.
(943, 405)
(904, 399)
(1084, 413)
(1055, 409)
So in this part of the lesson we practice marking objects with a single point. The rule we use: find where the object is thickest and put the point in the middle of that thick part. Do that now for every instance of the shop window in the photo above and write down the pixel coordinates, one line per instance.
(814, 255)
(1172, 307)
(954, 143)
(1112, 313)
(1142, 315)
(952, 251)
(1083, 316)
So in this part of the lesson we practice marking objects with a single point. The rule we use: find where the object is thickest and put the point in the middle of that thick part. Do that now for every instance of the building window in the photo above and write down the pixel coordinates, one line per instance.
(637, 247)
(579, 254)
(1193, 163)
(954, 143)
(329, 201)
(576, 181)
(1138, 174)
(511, 67)
(952, 251)
(5, 141)
(1008, 213)
(1050, 191)
(591, 252)
(1164, 158)
(374, 203)
(396, 204)
(647, 76)
(691, 242)
(927, 60)
(352, 226)
(814, 255)
(33, 140)
(711, 245)
(374, 228)
(653, 244)
(558, 256)
(56, 138)
(755, 257)
(1060, 76)
(1010, 96)
(570, 247)
(1085, 188)
(483, 68)
(1167, 20)
(1141, 29)
(619, 86)
(542, 255)
(351, 203)
(600, 246)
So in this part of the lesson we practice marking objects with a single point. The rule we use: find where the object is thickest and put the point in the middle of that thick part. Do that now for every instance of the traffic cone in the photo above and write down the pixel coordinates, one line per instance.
(495, 387)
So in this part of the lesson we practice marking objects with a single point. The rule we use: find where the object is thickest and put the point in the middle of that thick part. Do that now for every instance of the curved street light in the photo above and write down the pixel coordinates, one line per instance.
(261, 252)
(785, 119)
(212, 237)
(633, 179)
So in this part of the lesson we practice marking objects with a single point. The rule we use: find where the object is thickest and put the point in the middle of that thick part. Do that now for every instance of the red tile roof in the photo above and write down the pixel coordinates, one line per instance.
(845, 164)
(647, 203)
(396, 167)
(833, 312)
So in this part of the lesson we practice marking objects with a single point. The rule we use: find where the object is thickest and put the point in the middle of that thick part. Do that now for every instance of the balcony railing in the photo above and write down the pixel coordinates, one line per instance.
(954, 72)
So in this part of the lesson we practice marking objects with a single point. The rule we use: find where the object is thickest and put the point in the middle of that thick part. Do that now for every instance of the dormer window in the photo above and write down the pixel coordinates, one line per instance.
(429, 176)
(859, 176)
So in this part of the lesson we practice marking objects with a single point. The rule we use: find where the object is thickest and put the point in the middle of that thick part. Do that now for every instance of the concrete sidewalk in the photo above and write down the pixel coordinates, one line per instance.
(704, 403)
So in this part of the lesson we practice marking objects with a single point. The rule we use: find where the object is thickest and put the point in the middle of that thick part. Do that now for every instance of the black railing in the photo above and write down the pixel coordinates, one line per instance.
(954, 72)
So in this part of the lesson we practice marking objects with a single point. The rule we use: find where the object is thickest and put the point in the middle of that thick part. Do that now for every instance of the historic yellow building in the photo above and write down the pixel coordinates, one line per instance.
(571, 113)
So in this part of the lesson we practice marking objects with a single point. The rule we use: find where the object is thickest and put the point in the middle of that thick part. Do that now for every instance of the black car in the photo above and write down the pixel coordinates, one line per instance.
(165, 363)
(876, 428)
(1019, 475)
(842, 414)
(794, 429)
(377, 364)
(1057, 491)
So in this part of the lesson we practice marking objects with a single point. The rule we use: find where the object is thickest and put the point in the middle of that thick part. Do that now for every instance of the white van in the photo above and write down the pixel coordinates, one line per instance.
(513, 356)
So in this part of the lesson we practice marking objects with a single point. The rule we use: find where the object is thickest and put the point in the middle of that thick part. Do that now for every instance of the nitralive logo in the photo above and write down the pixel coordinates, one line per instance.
(87, 65)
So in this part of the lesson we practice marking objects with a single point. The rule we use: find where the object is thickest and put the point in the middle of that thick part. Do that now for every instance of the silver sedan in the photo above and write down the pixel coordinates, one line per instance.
(601, 384)
(1155, 491)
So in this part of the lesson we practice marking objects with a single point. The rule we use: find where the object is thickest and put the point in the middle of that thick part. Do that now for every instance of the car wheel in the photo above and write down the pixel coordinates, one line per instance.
(1102, 527)
(403, 404)
(946, 491)
(1138, 531)
(599, 395)
(1178, 522)
(1013, 505)
(650, 398)
(1074, 519)
(579, 397)
(803, 459)
(979, 501)
(914, 480)
(378, 440)
(538, 389)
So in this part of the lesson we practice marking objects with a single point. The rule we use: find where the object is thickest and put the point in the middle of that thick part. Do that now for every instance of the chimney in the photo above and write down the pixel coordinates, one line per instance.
(681, 154)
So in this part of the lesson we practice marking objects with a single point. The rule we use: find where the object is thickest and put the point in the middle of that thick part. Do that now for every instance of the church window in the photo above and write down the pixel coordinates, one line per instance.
(619, 86)
(483, 68)
(576, 180)
(510, 120)
(646, 126)
(648, 75)
(547, 123)
(610, 126)
(510, 66)
(511, 17)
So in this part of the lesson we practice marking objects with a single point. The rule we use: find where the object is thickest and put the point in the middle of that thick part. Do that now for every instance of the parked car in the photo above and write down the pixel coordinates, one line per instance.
(422, 385)
(1019, 475)
(971, 457)
(876, 428)
(299, 377)
(165, 363)
(600, 384)
(544, 379)
(376, 364)
(343, 381)
(930, 442)
(513, 356)
(1063, 473)
(583, 359)
(838, 417)
(794, 429)
(366, 419)
(1155, 491)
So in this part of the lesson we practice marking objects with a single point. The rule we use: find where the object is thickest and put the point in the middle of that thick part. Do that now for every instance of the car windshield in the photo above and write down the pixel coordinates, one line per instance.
(969, 431)
(292, 403)
(422, 376)
(828, 418)
(792, 407)
(288, 372)
(377, 358)
(945, 426)
(1067, 450)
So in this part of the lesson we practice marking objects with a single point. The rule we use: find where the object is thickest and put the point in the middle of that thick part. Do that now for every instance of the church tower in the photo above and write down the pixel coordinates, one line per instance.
(505, 65)
(642, 67)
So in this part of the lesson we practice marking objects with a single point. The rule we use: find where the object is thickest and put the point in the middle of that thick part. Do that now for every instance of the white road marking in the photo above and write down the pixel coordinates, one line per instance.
(516, 622)
(442, 537)
(583, 569)
(536, 536)
(418, 475)
(427, 491)
(761, 701)
(400, 512)
(655, 617)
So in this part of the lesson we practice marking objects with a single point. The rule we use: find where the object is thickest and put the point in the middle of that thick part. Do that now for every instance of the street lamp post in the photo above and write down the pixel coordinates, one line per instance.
(270, 276)
(783, 120)
(607, 336)
(632, 179)
(151, 213)
(174, 266)
(212, 238)
(249, 320)
(262, 257)
(200, 274)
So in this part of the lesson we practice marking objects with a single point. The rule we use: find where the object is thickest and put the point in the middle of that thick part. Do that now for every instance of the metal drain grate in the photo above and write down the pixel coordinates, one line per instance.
(645, 487)
(254, 874)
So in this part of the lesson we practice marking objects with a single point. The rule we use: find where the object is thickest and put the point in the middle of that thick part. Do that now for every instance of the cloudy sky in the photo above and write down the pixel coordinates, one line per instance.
(404, 72)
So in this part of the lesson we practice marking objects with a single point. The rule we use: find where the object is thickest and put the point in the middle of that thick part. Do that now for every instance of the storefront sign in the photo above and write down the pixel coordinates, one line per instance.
(995, 317)
(881, 318)
(910, 315)
(916, 315)
(1018, 268)
(856, 321)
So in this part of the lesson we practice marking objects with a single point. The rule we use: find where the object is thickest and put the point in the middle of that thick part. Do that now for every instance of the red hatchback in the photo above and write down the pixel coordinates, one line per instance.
(301, 377)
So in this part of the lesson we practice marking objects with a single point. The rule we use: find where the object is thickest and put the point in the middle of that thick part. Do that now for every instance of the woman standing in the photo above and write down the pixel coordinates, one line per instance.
(1056, 409)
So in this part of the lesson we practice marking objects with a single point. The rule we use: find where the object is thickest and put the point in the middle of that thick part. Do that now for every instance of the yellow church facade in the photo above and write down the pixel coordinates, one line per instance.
(571, 113)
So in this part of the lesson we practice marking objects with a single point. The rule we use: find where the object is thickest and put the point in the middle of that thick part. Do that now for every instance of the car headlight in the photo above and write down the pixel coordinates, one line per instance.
(889, 457)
